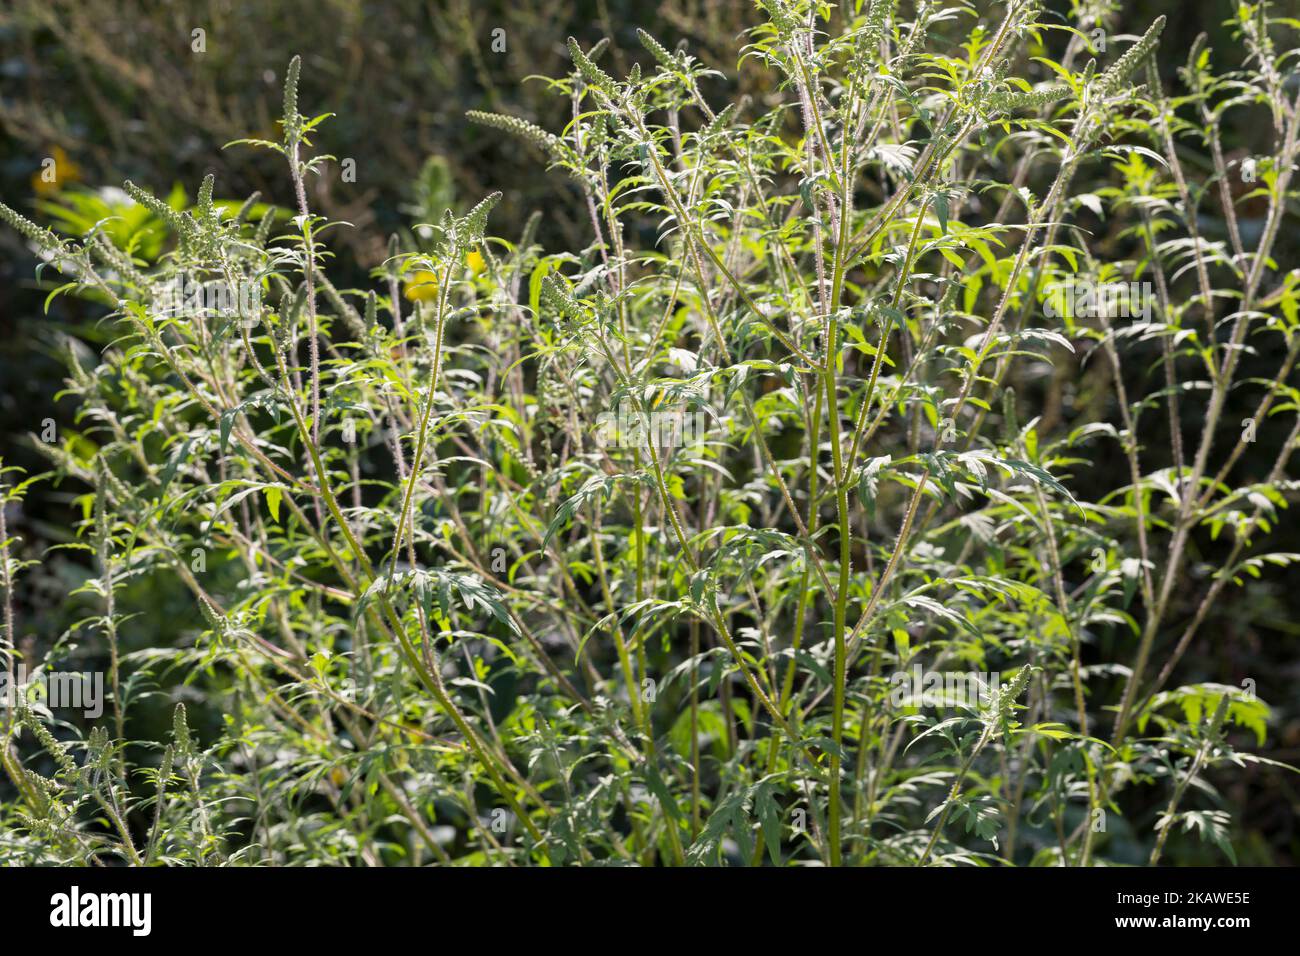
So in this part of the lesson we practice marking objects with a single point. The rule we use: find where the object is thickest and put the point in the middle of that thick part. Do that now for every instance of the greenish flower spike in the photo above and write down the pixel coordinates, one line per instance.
(394, 250)
(556, 296)
(529, 233)
(1010, 421)
(39, 235)
(246, 208)
(205, 195)
(1018, 683)
(599, 133)
(878, 18)
(780, 15)
(180, 224)
(1113, 79)
(371, 308)
(657, 50)
(593, 74)
(476, 221)
(181, 731)
(47, 741)
(1220, 714)
(720, 121)
(101, 502)
(165, 767)
(291, 117)
(517, 127)
(99, 751)
(116, 259)
(264, 227)
(1008, 102)
(210, 614)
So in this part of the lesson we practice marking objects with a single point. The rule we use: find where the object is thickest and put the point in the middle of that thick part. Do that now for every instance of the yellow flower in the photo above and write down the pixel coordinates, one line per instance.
(422, 286)
(476, 262)
(51, 177)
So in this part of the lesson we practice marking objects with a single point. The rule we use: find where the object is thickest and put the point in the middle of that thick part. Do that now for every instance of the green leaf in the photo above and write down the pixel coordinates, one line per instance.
(273, 493)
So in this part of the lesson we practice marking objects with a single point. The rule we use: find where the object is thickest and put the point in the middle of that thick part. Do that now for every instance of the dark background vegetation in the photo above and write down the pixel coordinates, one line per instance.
(113, 89)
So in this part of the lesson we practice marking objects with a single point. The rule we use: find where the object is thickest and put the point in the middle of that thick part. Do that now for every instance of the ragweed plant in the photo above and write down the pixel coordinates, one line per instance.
(762, 528)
